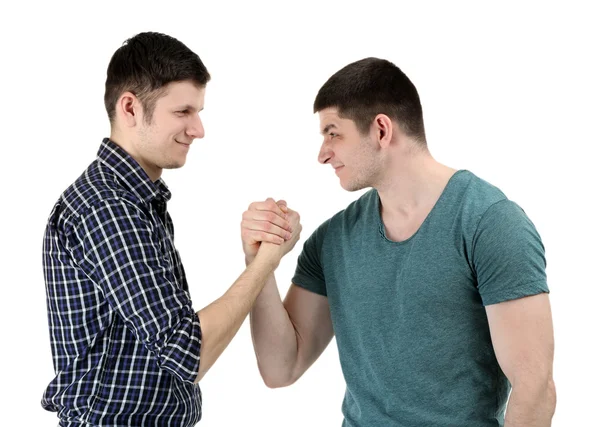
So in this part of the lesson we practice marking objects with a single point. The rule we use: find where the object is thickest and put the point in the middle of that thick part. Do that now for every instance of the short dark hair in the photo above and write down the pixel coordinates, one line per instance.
(145, 64)
(372, 86)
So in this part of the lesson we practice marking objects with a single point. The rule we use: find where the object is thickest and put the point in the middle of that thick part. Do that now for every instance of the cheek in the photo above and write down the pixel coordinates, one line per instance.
(177, 127)
(167, 124)
(168, 131)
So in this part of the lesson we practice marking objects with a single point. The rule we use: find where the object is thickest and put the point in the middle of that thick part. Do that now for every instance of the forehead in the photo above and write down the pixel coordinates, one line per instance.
(329, 115)
(183, 93)
(330, 119)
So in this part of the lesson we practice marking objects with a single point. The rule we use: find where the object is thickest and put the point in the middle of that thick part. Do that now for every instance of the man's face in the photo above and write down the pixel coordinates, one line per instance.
(353, 156)
(164, 141)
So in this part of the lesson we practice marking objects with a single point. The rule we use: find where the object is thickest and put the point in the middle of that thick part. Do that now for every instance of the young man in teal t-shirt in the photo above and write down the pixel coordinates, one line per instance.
(433, 281)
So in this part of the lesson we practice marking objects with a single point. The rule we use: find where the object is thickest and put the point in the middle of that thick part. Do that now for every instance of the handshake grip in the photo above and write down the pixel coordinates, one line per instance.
(270, 227)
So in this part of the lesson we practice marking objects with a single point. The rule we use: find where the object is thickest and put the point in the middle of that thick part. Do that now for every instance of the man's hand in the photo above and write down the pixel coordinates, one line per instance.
(220, 320)
(267, 221)
(278, 251)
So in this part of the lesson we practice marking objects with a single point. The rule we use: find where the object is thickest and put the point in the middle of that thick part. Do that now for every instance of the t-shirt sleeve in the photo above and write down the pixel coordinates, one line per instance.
(309, 271)
(508, 255)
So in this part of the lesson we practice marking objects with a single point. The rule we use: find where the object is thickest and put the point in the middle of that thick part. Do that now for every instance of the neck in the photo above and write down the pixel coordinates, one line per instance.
(128, 144)
(412, 184)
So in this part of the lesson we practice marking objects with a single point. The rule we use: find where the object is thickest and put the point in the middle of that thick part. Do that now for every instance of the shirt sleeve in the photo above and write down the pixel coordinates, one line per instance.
(508, 255)
(118, 247)
(309, 270)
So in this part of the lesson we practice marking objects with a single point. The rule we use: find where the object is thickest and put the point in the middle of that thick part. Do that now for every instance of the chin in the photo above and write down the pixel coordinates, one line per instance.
(352, 186)
(174, 165)
(353, 189)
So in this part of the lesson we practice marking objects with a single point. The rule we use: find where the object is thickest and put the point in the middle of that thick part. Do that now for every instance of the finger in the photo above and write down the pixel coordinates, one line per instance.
(267, 216)
(293, 218)
(259, 236)
(282, 205)
(265, 227)
(267, 205)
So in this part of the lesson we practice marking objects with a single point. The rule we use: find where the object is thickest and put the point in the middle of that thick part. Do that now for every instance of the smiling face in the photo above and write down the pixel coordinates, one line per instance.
(163, 141)
(355, 157)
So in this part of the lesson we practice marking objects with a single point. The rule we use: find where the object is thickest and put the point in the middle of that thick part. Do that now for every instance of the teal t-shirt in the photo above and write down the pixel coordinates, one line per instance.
(409, 317)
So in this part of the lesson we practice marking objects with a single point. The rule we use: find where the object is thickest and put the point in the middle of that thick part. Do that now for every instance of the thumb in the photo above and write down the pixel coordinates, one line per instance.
(282, 205)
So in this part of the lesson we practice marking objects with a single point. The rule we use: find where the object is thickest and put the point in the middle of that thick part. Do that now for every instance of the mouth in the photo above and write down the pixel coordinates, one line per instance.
(337, 168)
(183, 143)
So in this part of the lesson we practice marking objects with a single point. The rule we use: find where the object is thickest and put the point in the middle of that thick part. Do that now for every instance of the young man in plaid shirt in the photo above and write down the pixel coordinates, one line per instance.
(127, 346)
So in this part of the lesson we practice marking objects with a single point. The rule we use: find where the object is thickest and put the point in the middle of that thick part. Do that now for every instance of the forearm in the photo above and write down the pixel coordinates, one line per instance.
(274, 337)
(221, 319)
(531, 406)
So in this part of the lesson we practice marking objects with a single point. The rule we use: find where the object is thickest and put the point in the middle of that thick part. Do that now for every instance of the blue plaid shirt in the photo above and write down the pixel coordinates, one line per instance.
(125, 338)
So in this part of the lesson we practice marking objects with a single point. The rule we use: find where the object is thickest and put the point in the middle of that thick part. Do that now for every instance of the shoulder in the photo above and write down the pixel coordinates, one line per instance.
(474, 198)
(360, 209)
(96, 188)
(343, 220)
(479, 194)
(486, 203)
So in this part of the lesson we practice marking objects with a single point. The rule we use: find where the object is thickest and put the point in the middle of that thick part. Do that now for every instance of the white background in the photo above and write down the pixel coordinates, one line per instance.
(510, 92)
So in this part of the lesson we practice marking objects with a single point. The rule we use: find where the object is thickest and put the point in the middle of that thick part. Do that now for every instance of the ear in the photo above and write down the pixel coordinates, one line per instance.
(129, 109)
(383, 128)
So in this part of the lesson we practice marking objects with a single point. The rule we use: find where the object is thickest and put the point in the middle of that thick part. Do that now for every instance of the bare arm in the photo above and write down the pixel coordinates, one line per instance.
(221, 319)
(523, 341)
(288, 337)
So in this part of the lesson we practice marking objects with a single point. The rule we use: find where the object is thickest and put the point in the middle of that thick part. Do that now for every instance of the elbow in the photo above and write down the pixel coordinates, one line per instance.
(551, 393)
(547, 402)
(539, 392)
(276, 380)
(179, 351)
(199, 376)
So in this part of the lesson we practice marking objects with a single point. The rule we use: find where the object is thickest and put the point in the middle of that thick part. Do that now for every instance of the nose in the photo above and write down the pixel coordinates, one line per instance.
(325, 153)
(196, 128)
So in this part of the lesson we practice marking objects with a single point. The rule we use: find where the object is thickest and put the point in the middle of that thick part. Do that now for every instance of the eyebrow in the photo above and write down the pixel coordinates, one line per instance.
(188, 107)
(328, 128)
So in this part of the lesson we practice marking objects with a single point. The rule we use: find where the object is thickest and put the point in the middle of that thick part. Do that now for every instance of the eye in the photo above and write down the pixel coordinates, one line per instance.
(182, 112)
(333, 135)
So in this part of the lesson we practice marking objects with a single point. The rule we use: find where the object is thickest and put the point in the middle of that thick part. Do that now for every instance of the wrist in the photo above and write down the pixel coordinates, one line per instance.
(266, 257)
